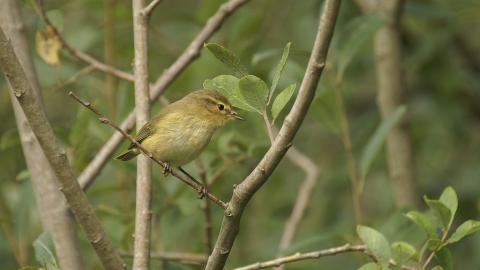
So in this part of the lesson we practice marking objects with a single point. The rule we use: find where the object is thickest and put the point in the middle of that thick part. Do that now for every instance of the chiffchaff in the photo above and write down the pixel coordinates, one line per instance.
(181, 130)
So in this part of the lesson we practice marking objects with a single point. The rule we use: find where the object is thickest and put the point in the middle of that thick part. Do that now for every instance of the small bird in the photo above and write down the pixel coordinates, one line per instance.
(181, 130)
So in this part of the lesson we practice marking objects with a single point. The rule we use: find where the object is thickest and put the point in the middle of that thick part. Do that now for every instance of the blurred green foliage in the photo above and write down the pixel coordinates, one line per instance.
(441, 43)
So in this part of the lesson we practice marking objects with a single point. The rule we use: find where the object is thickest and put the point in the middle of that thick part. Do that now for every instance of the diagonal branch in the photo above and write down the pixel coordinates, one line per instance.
(245, 190)
(182, 177)
(77, 200)
(191, 53)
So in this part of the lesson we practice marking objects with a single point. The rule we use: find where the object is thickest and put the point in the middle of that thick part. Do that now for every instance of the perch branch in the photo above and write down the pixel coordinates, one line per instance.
(141, 257)
(88, 175)
(77, 200)
(191, 182)
(245, 190)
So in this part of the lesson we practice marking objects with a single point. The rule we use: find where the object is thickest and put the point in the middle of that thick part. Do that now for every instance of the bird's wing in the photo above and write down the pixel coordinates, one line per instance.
(147, 130)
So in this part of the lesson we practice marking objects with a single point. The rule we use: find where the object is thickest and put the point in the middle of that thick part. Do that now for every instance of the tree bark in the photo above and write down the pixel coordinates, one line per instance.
(81, 208)
(391, 92)
(53, 212)
(141, 256)
(253, 182)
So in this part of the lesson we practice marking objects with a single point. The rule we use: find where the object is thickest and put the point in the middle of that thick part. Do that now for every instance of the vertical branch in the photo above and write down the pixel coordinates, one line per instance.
(141, 258)
(260, 174)
(391, 94)
(53, 212)
(207, 213)
(57, 159)
(347, 144)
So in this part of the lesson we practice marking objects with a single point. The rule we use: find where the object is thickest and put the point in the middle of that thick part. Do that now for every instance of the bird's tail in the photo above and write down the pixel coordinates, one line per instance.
(129, 154)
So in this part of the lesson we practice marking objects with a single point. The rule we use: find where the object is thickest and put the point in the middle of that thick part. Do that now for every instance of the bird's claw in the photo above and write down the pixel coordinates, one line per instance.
(167, 169)
(202, 192)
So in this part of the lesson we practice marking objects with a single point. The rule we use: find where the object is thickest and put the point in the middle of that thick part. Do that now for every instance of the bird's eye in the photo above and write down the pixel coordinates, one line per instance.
(221, 107)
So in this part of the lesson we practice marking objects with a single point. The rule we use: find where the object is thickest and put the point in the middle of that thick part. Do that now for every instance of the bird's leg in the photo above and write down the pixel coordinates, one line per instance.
(202, 191)
(167, 169)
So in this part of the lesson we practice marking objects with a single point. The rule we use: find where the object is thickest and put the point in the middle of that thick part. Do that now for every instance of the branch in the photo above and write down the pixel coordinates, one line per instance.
(304, 192)
(141, 257)
(147, 11)
(207, 213)
(184, 178)
(88, 175)
(245, 190)
(81, 208)
(90, 60)
(391, 92)
(303, 196)
(347, 145)
(185, 258)
(304, 256)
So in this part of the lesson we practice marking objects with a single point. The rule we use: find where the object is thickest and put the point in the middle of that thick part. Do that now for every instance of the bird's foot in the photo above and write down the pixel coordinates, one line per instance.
(202, 192)
(167, 169)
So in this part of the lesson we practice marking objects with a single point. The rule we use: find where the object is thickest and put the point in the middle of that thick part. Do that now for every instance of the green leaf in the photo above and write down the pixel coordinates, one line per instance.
(227, 85)
(449, 198)
(376, 141)
(467, 228)
(438, 267)
(424, 222)
(282, 99)
(227, 57)
(370, 266)
(43, 247)
(402, 252)
(440, 211)
(444, 257)
(360, 30)
(279, 68)
(376, 243)
(254, 91)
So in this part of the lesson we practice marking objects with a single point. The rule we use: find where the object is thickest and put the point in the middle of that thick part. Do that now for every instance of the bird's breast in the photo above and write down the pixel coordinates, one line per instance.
(179, 143)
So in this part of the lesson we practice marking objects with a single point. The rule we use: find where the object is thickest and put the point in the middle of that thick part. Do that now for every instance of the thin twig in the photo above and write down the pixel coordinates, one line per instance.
(260, 174)
(174, 172)
(347, 143)
(147, 11)
(81, 55)
(207, 213)
(213, 24)
(82, 72)
(143, 215)
(224, 167)
(304, 192)
(185, 258)
(303, 196)
(304, 256)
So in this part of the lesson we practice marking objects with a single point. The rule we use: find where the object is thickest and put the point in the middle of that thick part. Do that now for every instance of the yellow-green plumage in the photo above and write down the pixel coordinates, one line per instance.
(180, 132)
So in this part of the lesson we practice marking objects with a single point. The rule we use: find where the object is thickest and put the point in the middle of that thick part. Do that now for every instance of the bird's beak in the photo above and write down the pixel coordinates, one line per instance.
(235, 115)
